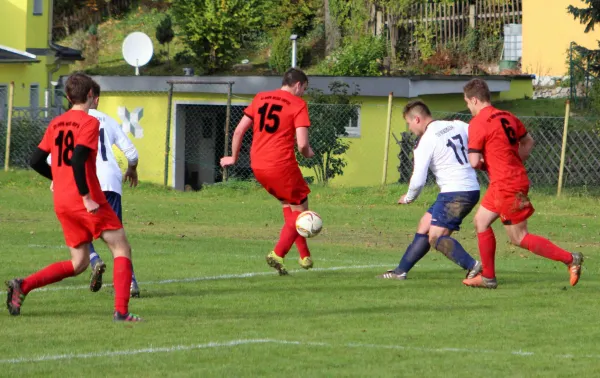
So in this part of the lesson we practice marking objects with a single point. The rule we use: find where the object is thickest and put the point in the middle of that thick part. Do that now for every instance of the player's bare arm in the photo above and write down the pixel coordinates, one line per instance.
(303, 143)
(131, 174)
(236, 142)
(80, 155)
(525, 146)
(476, 160)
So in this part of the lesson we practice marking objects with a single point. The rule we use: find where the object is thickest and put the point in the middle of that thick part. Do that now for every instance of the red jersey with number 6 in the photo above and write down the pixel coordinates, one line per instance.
(66, 131)
(276, 115)
(496, 134)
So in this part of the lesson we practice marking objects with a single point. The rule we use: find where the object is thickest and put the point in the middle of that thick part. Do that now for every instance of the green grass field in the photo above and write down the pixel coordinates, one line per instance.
(214, 308)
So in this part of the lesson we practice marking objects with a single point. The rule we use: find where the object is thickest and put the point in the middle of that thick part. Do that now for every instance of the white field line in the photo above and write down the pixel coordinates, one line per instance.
(213, 278)
(234, 343)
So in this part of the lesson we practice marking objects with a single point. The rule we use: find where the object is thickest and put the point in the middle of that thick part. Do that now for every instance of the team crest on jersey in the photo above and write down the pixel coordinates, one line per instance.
(131, 121)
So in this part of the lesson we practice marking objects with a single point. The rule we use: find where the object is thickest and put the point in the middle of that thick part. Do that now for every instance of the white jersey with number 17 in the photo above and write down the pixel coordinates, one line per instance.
(107, 168)
(443, 149)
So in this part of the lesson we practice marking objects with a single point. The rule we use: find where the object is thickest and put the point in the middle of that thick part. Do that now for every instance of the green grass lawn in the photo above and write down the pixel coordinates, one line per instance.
(214, 308)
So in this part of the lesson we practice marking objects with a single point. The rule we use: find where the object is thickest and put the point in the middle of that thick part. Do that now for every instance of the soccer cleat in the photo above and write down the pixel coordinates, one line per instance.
(575, 268)
(305, 263)
(392, 275)
(98, 270)
(481, 281)
(129, 317)
(15, 296)
(276, 262)
(134, 290)
(477, 268)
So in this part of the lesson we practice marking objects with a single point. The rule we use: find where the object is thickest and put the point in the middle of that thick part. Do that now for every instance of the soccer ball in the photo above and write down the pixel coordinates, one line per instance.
(309, 224)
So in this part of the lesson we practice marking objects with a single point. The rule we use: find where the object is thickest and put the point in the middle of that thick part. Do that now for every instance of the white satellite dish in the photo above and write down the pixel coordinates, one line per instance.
(137, 50)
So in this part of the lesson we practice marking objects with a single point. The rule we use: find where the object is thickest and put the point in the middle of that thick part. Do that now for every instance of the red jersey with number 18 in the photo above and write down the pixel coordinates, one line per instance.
(66, 131)
(276, 115)
(496, 134)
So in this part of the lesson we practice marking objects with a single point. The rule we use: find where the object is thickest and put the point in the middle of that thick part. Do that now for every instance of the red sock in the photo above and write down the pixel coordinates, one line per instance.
(288, 233)
(49, 275)
(122, 282)
(291, 216)
(487, 252)
(301, 243)
(544, 247)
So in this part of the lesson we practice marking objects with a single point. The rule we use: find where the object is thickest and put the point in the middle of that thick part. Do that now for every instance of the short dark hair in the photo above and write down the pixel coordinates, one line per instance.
(293, 76)
(477, 88)
(416, 107)
(95, 89)
(78, 87)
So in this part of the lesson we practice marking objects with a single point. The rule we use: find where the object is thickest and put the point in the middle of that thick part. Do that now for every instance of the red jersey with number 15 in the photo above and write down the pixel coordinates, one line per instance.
(66, 131)
(496, 134)
(276, 115)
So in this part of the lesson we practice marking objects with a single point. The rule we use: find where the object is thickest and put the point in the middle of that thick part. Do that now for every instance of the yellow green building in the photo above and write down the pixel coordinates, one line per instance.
(28, 57)
(548, 30)
(198, 111)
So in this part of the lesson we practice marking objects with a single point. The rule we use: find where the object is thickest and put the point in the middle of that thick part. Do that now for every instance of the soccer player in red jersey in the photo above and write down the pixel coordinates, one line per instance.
(279, 119)
(499, 143)
(79, 203)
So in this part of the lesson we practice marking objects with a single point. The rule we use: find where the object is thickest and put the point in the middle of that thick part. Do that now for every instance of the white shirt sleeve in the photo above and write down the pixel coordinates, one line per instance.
(124, 143)
(422, 157)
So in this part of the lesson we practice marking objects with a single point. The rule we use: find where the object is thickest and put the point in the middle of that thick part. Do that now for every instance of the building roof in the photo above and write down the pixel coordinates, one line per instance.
(10, 55)
(408, 87)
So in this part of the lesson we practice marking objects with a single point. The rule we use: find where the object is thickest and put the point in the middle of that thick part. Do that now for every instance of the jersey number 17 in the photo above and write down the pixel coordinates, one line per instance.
(454, 147)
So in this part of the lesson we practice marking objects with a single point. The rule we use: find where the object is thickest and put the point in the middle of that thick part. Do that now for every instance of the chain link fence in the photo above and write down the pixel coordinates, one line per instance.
(582, 157)
(181, 135)
(27, 129)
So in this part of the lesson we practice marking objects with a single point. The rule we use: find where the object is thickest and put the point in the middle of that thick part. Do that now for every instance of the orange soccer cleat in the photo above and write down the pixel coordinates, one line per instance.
(481, 281)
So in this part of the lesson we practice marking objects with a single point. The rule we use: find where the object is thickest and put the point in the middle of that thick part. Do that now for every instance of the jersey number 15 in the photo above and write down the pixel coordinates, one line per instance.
(270, 114)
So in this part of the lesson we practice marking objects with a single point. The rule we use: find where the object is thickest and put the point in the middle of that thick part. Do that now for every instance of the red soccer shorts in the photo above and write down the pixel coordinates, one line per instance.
(512, 205)
(81, 227)
(285, 184)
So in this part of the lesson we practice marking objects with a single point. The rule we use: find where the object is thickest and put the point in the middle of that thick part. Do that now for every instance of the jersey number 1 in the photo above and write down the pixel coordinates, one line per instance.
(102, 145)
(66, 145)
(451, 144)
(272, 115)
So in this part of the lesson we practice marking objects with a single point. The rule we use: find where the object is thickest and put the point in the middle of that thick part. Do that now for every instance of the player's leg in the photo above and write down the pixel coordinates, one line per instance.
(98, 268)
(289, 187)
(114, 200)
(305, 260)
(519, 236)
(287, 236)
(19, 288)
(119, 247)
(416, 250)
(484, 217)
(448, 213)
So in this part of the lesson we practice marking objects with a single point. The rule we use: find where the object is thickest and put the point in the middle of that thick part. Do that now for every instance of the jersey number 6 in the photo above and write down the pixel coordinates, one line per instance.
(272, 115)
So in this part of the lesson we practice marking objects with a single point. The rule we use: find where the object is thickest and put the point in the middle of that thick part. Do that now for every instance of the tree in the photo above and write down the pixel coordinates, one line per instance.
(213, 28)
(329, 117)
(589, 16)
(165, 34)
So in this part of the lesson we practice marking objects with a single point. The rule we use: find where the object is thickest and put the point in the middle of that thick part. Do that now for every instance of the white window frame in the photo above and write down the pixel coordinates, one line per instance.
(353, 128)
(3, 100)
(38, 7)
(35, 86)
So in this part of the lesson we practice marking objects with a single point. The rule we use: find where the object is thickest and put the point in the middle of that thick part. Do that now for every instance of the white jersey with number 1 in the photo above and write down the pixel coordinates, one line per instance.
(107, 168)
(443, 149)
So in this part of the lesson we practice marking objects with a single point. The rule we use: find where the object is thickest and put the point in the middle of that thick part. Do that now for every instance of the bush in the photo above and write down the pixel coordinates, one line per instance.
(359, 57)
